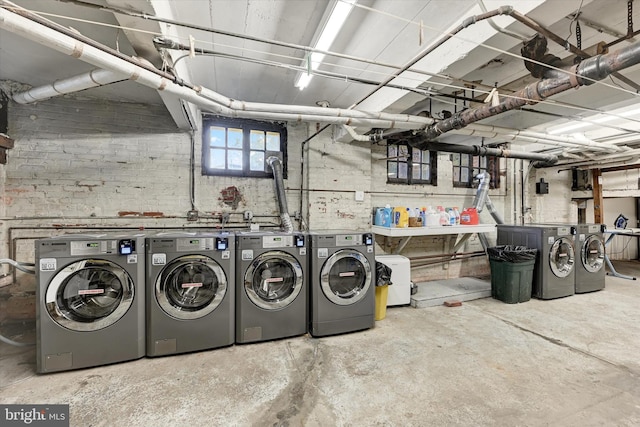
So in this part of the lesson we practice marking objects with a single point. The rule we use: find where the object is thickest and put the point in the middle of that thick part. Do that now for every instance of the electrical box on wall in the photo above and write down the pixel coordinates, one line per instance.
(542, 187)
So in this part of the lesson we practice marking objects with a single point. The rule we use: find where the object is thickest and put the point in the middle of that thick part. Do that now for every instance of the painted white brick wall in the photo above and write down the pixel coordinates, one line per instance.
(80, 162)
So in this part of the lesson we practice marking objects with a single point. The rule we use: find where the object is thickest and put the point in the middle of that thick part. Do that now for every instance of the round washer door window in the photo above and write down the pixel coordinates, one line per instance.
(345, 277)
(561, 257)
(190, 287)
(89, 295)
(273, 280)
(592, 255)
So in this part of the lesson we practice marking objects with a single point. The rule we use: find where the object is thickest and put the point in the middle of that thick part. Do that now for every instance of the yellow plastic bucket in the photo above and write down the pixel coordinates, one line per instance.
(381, 301)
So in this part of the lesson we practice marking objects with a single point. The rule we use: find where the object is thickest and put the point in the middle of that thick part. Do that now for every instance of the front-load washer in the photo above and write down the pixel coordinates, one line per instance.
(272, 289)
(90, 300)
(190, 291)
(590, 271)
(554, 270)
(342, 282)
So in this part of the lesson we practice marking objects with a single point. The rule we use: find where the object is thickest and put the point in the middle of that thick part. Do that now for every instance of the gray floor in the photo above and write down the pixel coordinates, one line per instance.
(568, 362)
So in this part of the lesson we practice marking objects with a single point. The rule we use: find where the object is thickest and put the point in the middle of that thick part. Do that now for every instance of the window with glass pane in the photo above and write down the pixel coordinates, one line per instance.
(467, 166)
(241, 147)
(408, 165)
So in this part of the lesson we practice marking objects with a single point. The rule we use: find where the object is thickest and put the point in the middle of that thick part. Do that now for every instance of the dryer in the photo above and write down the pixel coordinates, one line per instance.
(271, 285)
(90, 300)
(590, 271)
(554, 270)
(342, 282)
(190, 291)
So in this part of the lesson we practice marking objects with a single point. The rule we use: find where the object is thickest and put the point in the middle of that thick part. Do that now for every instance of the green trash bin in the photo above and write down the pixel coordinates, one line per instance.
(511, 273)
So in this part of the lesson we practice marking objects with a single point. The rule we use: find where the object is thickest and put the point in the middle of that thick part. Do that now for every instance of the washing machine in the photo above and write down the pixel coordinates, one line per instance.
(190, 291)
(342, 282)
(271, 285)
(554, 270)
(590, 271)
(90, 300)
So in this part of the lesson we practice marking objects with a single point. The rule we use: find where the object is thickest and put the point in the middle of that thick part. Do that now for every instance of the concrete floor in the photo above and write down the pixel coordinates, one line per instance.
(566, 362)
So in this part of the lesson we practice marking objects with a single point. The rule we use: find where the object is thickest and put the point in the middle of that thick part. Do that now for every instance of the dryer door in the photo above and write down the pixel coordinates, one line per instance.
(273, 280)
(592, 254)
(346, 277)
(561, 257)
(190, 287)
(88, 295)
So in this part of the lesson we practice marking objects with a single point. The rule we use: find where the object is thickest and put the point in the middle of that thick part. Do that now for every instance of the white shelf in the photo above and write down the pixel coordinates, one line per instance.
(432, 231)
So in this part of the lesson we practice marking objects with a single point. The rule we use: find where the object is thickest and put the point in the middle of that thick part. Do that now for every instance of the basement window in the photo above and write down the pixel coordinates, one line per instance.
(240, 147)
(467, 166)
(408, 165)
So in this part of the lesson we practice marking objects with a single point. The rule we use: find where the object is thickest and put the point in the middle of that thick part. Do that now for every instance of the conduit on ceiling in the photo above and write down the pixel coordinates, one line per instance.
(59, 38)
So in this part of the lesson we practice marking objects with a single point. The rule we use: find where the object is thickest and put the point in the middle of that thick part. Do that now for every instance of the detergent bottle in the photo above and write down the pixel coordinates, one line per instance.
(383, 216)
(400, 217)
(423, 216)
(456, 212)
(433, 217)
(444, 216)
(469, 216)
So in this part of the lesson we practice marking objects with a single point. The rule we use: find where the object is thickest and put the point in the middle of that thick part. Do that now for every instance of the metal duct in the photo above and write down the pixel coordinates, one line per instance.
(476, 150)
(482, 198)
(278, 179)
(595, 68)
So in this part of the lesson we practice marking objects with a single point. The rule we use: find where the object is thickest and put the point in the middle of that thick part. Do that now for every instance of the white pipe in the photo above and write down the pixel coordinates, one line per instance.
(205, 98)
(590, 166)
(93, 78)
(541, 137)
(356, 137)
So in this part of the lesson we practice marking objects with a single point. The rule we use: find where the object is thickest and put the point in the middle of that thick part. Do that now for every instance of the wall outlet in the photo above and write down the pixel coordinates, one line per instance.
(359, 196)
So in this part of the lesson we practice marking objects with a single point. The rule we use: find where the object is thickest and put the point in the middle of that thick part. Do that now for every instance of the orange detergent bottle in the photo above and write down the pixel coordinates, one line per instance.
(469, 216)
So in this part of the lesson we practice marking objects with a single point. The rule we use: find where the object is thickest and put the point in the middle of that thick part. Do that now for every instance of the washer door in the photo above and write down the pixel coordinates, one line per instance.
(345, 277)
(190, 287)
(88, 295)
(561, 257)
(592, 254)
(273, 280)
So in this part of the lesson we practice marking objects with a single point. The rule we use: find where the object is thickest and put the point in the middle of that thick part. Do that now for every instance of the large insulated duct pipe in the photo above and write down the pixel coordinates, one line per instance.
(278, 178)
(477, 150)
(93, 78)
(595, 68)
(28, 25)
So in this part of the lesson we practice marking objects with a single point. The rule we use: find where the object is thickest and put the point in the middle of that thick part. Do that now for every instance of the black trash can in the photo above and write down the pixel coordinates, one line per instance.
(511, 272)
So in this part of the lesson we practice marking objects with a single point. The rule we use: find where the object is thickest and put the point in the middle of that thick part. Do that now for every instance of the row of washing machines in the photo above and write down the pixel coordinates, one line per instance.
(106, 298)
(570, 258)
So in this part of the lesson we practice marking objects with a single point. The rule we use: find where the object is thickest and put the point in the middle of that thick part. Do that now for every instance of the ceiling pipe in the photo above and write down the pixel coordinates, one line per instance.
(433, 46)
(595, 68)
(478, 150)
(518, 137)
(94, 78)
(562, 42)
(203, 97)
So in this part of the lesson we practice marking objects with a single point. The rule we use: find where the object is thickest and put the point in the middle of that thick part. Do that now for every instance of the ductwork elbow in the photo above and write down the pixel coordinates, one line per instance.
(278, 178)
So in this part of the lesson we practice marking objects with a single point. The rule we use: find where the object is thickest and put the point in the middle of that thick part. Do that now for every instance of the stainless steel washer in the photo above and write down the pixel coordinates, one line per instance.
(272, 289)
(90, 300)
(190, 291)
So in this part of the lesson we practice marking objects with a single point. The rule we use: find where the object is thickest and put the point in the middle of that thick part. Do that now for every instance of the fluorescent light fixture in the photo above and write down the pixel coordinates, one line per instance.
(594, 120)
(333, 25)
(568, 128)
